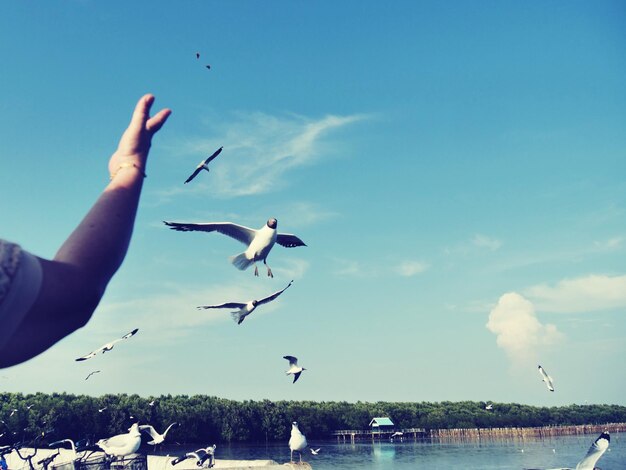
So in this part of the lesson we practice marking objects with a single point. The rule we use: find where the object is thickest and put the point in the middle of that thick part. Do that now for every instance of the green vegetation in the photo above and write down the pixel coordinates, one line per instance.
(210, 419)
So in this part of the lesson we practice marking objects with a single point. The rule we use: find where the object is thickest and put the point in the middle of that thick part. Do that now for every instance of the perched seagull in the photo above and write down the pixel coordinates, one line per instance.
(315, 451)
(108, 346)
(246, 308)
(259, 242)
(294, 369)
(297, 441)
(122, 445)
(92, 373)
(156, 437)
(203, 165)
(489, 406)
(546, 378)
(201, 455)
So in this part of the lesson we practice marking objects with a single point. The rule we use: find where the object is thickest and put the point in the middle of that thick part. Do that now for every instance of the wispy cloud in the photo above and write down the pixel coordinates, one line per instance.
(304, 214)
(258, 150)
(483, 241)
(518, 331)
(353, 268)
(610, 245)
(478, 243)
(584, 294)
(411, 268)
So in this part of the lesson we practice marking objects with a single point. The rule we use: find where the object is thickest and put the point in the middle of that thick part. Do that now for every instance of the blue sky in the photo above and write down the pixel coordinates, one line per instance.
(455, 168)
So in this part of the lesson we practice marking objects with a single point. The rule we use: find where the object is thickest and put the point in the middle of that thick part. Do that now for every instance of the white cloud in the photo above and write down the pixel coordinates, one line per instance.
(583, 294)
(411, 268)
(304, 214)
(518, 331)
(483, 241)
(258, 150)
(610, 244)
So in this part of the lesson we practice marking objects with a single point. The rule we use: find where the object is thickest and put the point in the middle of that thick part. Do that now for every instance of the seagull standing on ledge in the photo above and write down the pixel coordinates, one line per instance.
(259, 242)
(297, 441)
(546, 378)
(246, 308)
(294, 368)
(203, 165)
(122, 445)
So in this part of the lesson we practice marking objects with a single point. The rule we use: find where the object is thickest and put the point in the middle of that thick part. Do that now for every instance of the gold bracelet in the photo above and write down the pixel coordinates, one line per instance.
(127, 165)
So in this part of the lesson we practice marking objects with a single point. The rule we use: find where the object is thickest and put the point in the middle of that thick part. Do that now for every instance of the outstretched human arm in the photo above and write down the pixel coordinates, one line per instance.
(75, 280)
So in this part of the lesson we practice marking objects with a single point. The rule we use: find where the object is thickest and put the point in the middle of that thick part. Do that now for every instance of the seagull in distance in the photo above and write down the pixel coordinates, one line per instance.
(203, 165)
(315, 451)
(294, 368)
(108, 346)
(259, 242)
(546, 378)
(489, 406)
(297, 441)
(100, 410)
(245, 308)
(91, 373)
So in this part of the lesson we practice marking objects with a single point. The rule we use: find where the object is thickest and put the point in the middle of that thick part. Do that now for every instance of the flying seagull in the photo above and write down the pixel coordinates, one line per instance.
(152, 403)
(13, 411)
(597, 449)
(297, 441)
(203, 165)
(546, 378)
(92, 373)
(259, 242)
(245, 308)
(489, 406)
(100, 410)
(294, 368)
(201, 455)
(156, 437)
(108, 346)
(315, 451)
(197, 55)
(122, 445)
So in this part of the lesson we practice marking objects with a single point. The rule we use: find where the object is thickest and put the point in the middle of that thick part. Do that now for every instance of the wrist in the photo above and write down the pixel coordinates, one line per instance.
(128, 166)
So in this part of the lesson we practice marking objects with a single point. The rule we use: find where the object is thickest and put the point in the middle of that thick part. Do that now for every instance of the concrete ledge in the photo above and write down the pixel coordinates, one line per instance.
(155, 462)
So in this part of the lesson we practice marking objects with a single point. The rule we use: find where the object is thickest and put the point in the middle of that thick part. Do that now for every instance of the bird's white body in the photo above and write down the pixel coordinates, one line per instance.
(122, 445)
(297, 441)
(246, 308)
(294, 368)
(599, 447)
(546, 378)
(156, 437)
(259, 242)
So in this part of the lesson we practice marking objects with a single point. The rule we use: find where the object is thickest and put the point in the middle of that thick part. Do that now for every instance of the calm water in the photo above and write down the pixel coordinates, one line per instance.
(496, 454)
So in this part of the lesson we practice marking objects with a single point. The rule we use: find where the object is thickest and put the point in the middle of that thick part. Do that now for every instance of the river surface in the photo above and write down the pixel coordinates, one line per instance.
(518, 454)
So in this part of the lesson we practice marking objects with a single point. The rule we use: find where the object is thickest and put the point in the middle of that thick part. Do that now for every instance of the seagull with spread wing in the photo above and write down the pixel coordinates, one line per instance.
(294, 368)
(546, 378)
(203, 165)
(156, 437)
(245, 308)
(259, 242)
(108, 346)
(597, 449)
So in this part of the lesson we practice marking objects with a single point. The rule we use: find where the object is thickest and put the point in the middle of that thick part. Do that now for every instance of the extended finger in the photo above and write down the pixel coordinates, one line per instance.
(156, 122)
(142, 111)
